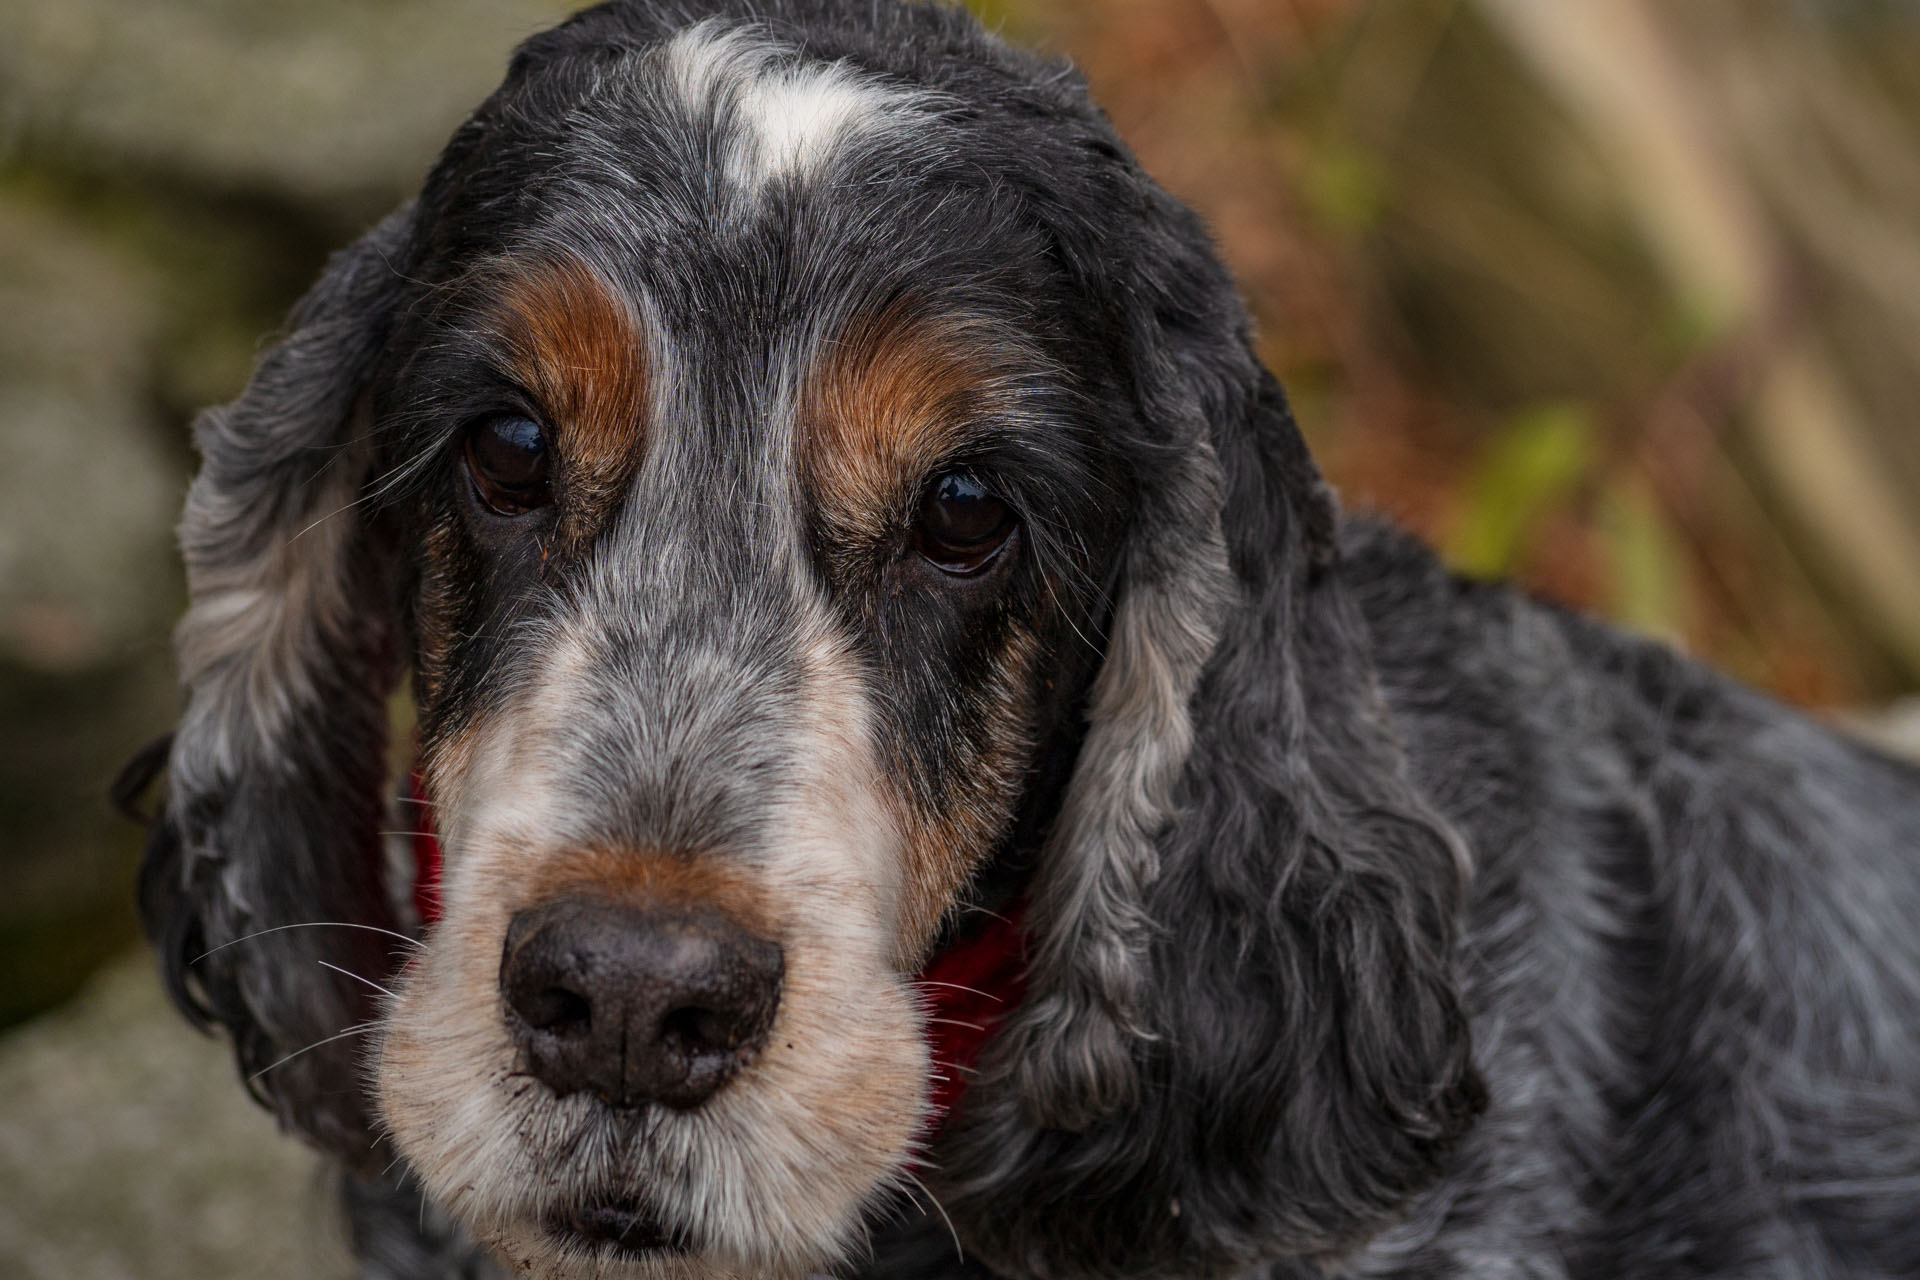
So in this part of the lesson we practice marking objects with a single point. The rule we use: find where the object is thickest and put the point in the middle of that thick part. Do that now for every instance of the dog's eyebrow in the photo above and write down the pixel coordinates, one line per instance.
(544, 333)
(576, 344)
(895, 394)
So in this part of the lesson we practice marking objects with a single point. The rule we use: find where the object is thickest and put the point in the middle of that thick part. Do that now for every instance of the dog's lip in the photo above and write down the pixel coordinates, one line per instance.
(623, 1226)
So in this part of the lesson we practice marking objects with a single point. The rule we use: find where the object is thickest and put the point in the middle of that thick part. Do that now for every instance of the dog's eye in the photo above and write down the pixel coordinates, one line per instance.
(962, 524)
(507, 457)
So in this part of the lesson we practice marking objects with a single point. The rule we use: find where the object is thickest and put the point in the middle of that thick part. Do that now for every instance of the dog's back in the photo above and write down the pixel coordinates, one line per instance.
(1691, 954)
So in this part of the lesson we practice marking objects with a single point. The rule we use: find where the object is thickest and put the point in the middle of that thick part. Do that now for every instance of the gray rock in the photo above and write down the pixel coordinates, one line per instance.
(129, 1149)
(338, 104)
(88, 491)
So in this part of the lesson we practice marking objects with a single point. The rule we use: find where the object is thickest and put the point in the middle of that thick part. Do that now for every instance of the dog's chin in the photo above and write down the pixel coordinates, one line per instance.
(619, 1230)
(623, 1238)
(604, 1237)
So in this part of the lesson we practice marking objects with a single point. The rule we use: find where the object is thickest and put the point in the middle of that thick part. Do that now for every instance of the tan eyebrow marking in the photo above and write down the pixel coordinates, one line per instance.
(884, 404)
(579, 348)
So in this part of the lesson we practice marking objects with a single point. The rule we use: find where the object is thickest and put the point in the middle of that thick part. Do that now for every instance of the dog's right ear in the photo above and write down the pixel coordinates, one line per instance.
(262, 888)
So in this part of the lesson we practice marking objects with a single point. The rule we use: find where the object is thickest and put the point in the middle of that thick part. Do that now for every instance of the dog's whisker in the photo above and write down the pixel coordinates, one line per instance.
(337, 511)
(959, 1250)
(955, 1022)
(913, 1197)
(358, 1030)
(954, 986)
(307, 924)
(328, 964)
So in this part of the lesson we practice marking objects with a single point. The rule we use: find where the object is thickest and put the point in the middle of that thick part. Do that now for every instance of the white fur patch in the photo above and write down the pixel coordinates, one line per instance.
(788, 118)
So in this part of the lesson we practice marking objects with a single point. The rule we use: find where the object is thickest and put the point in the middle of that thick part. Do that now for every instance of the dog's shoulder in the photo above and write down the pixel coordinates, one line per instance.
(1710, 891)
(1563, 746)
(1453, 653)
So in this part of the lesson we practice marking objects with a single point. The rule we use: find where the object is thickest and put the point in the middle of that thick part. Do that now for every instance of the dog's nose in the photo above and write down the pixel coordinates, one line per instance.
(636, 1005)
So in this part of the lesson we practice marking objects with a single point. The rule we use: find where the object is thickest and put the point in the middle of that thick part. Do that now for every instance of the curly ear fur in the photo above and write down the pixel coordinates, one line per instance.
(276, 775)
(1243, 1039)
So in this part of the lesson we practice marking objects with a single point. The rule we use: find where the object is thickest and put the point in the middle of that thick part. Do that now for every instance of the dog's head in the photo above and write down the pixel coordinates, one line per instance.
(804, 465)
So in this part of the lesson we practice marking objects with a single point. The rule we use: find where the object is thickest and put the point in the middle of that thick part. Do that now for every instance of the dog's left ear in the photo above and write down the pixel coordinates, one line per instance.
(1243, 1038)
(263, 888)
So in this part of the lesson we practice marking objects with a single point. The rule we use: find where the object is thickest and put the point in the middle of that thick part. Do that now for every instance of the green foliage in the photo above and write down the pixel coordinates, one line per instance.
(1643, 558)
(998, 15)
(1550, 458)
(1538, 461)
(1345, 188)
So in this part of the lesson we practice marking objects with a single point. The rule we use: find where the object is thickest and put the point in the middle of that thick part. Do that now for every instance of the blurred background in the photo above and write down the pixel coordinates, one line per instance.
(1617, 297)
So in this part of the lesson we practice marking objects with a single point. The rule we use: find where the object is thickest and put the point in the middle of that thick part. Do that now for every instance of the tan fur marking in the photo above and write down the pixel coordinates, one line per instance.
(945, 841)
(578, 347)
(649, 880)
(443, 597)
(885, 405)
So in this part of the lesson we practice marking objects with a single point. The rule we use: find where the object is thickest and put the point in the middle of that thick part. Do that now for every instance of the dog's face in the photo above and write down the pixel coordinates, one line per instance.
(810, 473)
(759, 504)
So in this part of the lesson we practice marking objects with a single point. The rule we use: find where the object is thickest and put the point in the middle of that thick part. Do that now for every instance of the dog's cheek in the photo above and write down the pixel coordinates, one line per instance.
(442, 1072)
(443, 1068)
(967, 783)
(831, 1115)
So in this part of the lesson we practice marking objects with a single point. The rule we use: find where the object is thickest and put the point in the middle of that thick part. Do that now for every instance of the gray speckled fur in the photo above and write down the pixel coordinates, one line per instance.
(1690, 954)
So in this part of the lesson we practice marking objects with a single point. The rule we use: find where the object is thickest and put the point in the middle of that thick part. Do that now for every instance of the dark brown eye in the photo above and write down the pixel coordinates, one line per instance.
(962, 524)
(507, 457)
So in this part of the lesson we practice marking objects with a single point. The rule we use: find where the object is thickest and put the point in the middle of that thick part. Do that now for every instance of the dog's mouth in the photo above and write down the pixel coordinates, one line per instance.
(617, 1229)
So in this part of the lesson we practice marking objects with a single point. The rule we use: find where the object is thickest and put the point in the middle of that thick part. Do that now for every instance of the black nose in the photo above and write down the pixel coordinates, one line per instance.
(636, 1005)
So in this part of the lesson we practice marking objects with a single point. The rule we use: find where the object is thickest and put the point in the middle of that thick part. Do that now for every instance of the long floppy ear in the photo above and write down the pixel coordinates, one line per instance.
(1243, 1038)
(262, 888)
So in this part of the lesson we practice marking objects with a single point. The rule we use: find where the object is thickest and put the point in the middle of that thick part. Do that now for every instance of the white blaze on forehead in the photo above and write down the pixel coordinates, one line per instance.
(784, 118)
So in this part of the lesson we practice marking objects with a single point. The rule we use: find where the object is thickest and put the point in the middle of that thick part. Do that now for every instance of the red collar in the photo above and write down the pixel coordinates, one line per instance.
(966, 990)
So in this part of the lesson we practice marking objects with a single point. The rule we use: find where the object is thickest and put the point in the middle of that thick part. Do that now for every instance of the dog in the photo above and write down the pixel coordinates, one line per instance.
(849, 562)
